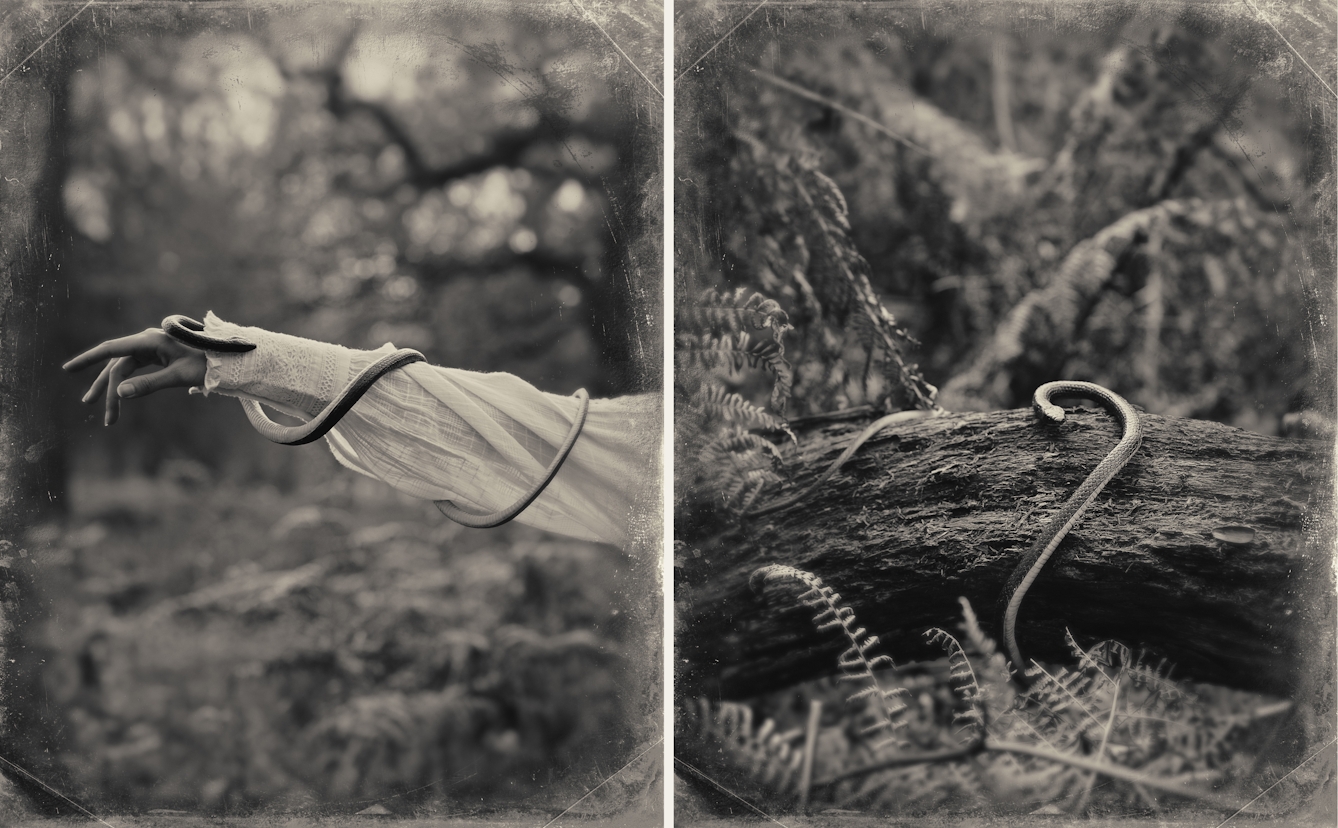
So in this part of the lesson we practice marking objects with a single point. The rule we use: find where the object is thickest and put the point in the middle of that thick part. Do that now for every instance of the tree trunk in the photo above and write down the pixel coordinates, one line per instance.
(32, 168)
(945, 506)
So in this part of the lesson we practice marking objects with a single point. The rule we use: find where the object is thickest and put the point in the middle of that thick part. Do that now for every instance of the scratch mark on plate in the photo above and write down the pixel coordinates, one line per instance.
(607, 37)
(1290, 46)
(1279, 781)
(57, 793)
(859, 116)
(630, 762)
(703, 775)
(48, 40)
(721, 40)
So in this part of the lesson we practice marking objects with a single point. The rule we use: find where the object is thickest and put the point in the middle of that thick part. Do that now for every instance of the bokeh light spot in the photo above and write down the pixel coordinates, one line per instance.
(523, 240)
(570, 196)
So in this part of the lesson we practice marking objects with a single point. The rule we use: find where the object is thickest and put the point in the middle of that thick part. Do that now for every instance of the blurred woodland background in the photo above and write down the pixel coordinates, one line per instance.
(883, 207)
(208, 621)
(976, 153)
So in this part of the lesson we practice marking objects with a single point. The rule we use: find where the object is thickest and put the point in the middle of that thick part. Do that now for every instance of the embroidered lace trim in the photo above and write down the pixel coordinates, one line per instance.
(289, 371)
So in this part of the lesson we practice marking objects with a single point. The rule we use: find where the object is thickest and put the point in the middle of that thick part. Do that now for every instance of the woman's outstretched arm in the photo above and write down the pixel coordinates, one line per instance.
(432, 432)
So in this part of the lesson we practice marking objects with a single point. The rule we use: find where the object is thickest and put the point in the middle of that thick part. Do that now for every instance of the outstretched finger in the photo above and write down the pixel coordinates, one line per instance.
(178, 374)
(119, 370)
(99, 385)
(146, 340)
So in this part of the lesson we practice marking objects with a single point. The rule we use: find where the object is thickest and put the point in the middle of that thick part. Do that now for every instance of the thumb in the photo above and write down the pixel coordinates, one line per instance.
(176, 375)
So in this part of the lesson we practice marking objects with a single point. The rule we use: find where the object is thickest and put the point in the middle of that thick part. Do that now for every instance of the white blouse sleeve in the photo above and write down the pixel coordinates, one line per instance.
(480, 440)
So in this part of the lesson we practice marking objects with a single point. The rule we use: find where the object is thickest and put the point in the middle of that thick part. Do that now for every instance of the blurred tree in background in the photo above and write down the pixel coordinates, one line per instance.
(230, 624)
(1145, 201)
(464, 184)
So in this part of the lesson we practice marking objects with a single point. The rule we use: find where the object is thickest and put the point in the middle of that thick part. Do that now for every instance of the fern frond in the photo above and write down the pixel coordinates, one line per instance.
(1062, 692)
(962, 676)
(1108, 655)
(971, 628)
(728, 446)
(839, 271)
(855, 662)
(733, 352)
(712, 424)
(832, 202)
(721, 404)
(816, 262)
(785, 275)
(738, 465)
(1089, 662)
(720, 738)
(733, 312)
(744, 487)
(1159, 676)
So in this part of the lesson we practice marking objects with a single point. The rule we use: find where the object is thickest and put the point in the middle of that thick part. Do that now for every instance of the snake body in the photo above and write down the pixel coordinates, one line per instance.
(1043, 548)
(869, 431)
(487, 521)
(191, 332)
(1029, 567)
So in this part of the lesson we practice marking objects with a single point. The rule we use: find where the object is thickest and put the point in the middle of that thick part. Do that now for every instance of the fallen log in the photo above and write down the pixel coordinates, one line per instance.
(1212, 548)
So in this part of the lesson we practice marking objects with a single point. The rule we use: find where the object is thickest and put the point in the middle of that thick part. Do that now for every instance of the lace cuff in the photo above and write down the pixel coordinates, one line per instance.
(288, 372)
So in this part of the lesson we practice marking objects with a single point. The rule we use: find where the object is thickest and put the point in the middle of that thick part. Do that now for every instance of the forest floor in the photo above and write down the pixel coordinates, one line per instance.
(646, 819)
(211, 648)
(1196, 820)
(509, 820)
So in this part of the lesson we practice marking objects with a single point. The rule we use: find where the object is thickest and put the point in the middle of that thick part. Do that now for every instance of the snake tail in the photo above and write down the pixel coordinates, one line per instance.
(868, 432)
(487, 521)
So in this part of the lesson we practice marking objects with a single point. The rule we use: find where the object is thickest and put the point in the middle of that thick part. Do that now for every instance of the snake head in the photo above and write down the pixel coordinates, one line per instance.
(1050, 411)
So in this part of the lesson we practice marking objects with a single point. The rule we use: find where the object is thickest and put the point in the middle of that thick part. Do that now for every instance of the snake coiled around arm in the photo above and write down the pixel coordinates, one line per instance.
(191, 332)
(1029, 567)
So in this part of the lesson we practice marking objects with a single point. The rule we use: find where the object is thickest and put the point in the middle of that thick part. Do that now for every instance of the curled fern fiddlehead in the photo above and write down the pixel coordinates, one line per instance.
(963, 678)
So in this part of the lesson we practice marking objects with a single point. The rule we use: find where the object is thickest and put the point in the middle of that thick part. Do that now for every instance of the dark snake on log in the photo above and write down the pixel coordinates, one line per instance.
(1026, 571)
(1029, 567)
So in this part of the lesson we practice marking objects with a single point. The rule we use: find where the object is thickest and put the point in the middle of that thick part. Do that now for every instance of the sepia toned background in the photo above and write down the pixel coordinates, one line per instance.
(206, 622)
(203, 622)
(936, 208)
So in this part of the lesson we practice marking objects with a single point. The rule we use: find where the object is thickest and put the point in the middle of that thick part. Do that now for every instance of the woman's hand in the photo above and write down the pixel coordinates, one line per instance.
(182, 366)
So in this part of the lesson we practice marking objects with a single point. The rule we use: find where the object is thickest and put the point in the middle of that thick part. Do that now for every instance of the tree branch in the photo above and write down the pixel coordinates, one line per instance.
(542, 263)
(508, 148)
(1165, 181)
(1037, 337)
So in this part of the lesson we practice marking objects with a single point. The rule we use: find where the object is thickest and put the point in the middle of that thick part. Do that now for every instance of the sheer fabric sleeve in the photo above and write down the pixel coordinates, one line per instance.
(477, 439)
